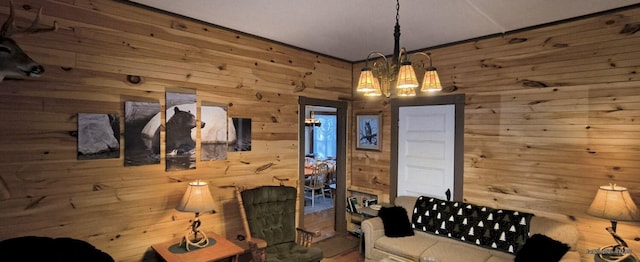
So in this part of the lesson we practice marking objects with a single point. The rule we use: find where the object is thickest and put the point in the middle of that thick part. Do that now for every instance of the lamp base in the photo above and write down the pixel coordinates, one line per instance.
(615, 253)
(191, 238)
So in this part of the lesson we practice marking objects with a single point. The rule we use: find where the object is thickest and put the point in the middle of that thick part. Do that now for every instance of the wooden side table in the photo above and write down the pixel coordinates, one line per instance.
(223, 248)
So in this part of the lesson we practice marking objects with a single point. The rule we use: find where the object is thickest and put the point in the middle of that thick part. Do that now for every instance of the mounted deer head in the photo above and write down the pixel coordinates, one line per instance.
(13, 61)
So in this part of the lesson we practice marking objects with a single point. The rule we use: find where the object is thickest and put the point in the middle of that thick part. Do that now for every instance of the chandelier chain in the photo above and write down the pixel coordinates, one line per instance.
(397, 72)
(397, 11)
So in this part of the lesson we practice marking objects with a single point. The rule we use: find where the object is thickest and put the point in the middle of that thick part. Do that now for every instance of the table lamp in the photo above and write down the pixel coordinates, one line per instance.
(614, 203)
(196, 199)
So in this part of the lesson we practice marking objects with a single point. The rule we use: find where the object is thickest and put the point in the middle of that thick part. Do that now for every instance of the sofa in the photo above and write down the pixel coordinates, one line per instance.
(440, 234)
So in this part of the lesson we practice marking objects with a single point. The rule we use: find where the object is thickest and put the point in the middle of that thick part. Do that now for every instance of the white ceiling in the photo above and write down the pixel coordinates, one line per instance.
(350, 29)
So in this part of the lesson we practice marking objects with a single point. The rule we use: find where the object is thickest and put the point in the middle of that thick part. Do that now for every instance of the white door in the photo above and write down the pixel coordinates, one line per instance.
(426, 140)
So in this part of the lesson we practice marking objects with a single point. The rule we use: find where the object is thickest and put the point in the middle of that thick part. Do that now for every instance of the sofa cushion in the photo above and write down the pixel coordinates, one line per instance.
(541, 248)
(396, 222)
(409, 247)
(504, 230)
(456, 251)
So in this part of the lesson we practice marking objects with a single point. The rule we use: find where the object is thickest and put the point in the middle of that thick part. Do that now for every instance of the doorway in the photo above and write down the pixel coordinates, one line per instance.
(316, 146)
(435, 167)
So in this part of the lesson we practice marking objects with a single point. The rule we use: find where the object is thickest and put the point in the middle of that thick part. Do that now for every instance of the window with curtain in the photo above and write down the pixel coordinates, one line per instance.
(324, 136)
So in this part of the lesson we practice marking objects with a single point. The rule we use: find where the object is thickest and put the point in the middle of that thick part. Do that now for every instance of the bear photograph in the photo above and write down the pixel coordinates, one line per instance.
(141, 133)
(180, 131)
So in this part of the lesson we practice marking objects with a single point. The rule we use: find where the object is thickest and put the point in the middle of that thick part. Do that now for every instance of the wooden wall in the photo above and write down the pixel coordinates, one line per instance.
(45, 191)
(543, 149)
(550, 115)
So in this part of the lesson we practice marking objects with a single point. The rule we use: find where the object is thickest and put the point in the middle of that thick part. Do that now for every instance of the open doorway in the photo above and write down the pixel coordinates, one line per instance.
(322, 166)
(320, 161)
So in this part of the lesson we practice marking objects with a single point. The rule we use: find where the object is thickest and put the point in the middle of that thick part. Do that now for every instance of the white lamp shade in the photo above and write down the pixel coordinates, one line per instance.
(407, 77)
(406, 92)
(431, 81)
(196, 199)
(614, 203)
(367, 82)
(376, 91)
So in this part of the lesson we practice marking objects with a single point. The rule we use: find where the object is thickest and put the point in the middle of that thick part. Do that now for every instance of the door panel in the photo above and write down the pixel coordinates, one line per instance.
(426, 143)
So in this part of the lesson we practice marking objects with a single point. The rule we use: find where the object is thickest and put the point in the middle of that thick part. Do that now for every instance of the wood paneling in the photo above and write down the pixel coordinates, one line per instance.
(547, 120)
(544, 149)
(45, 191)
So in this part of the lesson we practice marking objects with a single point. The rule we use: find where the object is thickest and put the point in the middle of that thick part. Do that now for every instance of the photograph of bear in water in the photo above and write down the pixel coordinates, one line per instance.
(180, 131)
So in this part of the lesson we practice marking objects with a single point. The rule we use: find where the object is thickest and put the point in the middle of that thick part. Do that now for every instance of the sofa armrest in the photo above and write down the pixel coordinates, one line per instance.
(564, 232)
(372, 229)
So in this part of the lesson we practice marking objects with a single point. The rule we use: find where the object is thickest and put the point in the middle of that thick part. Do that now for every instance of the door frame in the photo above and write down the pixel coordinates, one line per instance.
(341, 157)
(458, 162)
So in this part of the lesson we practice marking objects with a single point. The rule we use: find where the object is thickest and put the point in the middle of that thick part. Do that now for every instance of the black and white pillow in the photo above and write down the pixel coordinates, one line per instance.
(504, 230)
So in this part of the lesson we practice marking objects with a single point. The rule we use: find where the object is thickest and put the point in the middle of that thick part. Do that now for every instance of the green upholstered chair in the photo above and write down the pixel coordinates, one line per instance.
(270, 213)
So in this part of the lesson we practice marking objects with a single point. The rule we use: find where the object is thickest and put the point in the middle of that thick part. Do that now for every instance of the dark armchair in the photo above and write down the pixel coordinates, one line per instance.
(270, 213)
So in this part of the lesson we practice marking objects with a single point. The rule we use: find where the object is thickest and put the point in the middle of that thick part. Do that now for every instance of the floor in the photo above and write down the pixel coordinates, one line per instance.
(321, 203)
(322, 220)
(353, 256)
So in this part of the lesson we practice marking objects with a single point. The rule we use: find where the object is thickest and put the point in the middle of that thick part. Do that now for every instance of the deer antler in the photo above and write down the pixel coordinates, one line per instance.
(9, 27)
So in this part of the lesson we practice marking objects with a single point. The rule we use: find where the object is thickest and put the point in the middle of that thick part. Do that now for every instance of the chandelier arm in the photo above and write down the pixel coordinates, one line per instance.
(403, 52)
(382, 71)
(366, 64)
(428, 55)
(385, 66)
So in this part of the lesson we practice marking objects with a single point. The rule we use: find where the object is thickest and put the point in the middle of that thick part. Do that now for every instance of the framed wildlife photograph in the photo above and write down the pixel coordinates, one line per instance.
(369, 131)
(180, 131)
(141, 133)
(214, 132)
(240, 135)
(98, 136)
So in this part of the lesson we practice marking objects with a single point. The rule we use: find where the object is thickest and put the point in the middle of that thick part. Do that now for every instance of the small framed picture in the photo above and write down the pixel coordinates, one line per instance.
(370, 202)
(353, 204)
(369, 137)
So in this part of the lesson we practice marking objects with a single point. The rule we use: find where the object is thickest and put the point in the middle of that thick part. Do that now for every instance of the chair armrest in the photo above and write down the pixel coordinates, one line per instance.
(372, 229)
(305, 237)
(257, 247)
(260, 243)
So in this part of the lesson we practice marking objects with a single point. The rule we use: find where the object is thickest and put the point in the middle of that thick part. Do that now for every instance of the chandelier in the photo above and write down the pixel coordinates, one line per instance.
(312, 122)
(397, 71)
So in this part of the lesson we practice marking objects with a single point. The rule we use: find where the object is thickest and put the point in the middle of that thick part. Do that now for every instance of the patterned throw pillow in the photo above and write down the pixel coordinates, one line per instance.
(443, 217)
(504, 230)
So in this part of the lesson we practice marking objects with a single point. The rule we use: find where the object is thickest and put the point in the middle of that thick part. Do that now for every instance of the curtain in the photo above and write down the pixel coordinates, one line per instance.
(324, 137)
